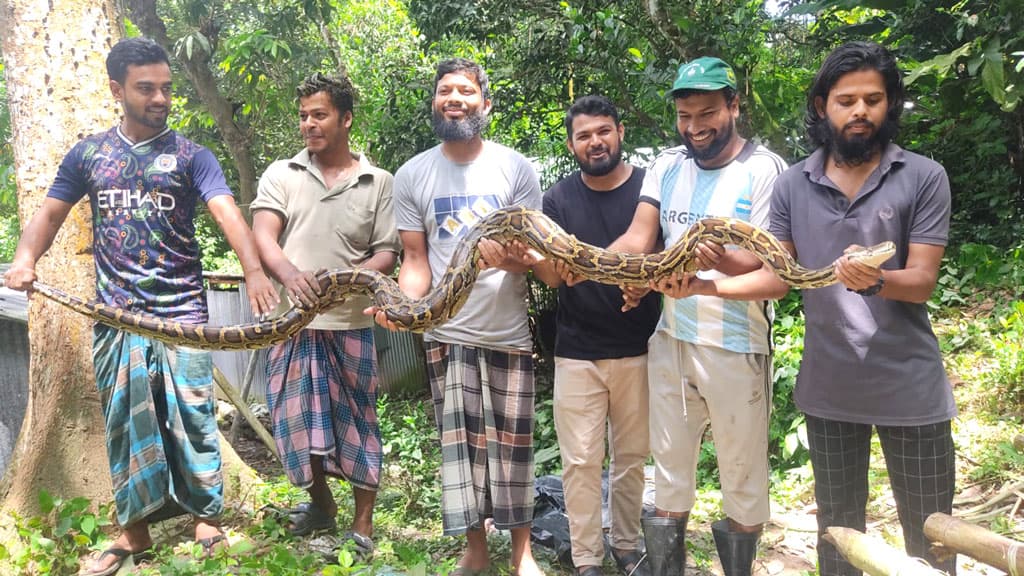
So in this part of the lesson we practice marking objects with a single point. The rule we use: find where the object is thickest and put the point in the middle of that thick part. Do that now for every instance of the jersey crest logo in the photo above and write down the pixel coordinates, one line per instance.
(165, 162)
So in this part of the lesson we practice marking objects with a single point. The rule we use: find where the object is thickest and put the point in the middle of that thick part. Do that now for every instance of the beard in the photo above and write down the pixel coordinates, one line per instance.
(715, 147)
(856, 149)
(459, 130)
(154, 120)
(601, 167)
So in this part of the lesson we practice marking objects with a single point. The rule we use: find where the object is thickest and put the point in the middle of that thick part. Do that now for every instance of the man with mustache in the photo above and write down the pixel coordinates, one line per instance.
(326, 207)
(480, 362)
(600, 351)
(143, 181)
(871, 360)
(709, 360)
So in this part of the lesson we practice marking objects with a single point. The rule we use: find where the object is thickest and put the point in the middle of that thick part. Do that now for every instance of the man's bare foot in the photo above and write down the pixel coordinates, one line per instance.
(210, 536)
(529, 568)
(133, 539)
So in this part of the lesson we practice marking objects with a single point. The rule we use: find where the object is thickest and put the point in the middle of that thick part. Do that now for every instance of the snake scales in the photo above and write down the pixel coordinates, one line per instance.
(529, 226)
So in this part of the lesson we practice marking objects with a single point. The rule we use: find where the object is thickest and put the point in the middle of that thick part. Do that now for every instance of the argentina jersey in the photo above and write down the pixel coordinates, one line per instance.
(685, 193)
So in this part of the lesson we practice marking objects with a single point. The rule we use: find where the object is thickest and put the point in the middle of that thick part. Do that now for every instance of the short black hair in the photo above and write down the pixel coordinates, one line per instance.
(728, 93)
(465, 66)
(853, 57)
(138, 51)
(338, 88)
(590, 105)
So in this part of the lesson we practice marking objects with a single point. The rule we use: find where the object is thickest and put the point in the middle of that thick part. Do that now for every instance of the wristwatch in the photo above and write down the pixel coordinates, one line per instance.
(873, 289)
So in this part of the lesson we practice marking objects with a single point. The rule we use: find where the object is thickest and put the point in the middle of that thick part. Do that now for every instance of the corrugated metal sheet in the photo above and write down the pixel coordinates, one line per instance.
(13, 384)
(229, 304)
(401, 363)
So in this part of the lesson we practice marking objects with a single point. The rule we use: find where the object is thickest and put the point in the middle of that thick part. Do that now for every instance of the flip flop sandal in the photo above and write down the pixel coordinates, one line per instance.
(363, 550)
(210, 544)
(121, 554)
(309, 519)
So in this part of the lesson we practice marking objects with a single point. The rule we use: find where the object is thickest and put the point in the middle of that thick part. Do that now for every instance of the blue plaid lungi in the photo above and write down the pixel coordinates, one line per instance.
(322, 394)
(159, 410)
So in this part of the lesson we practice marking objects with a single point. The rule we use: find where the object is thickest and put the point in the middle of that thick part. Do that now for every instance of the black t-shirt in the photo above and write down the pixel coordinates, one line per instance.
(590, 323)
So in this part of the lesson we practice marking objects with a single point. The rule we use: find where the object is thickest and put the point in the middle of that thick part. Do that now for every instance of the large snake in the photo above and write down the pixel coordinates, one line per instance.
(531, 227)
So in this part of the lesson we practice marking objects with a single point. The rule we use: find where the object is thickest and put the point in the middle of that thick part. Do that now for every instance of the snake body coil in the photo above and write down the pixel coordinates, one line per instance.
(528, 226)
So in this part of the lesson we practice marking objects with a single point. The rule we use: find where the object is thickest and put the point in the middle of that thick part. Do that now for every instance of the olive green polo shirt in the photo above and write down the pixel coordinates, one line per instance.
(339, 227)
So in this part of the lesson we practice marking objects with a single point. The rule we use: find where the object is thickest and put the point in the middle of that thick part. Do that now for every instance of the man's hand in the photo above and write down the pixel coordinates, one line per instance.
(708, 255)
(381, 318)
(856, 275)
(20, 276)
(302, 288)
(262, 296)
(676, 285)
(568, 276)
(494, 255)
(632, 295)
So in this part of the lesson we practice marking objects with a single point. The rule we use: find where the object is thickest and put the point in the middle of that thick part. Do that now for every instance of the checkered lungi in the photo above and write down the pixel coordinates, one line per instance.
(483, 404)
(159, 411)
(322, 394)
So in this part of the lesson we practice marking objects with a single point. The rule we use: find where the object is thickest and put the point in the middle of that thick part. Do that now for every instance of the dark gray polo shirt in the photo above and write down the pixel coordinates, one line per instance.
(867, 360)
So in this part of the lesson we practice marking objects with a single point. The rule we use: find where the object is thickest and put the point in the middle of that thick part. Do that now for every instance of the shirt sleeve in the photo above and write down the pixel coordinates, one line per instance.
(71, 182)
(527, 189)
(761, 191)
(408, 215)
(385, 234)
(551, 206)
(271, 193)
(650, 190)
(931, 215)
(779, 215)
(207, 176)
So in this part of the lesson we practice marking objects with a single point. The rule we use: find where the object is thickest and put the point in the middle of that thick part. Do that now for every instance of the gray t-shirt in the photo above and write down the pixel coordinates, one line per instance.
(443, 199)
(867, 360)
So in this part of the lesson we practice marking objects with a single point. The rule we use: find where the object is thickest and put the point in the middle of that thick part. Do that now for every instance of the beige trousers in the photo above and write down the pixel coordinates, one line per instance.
(695, 386)
(592, 397)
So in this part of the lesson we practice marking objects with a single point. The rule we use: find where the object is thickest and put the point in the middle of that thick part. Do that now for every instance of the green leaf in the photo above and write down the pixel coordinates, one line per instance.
(45, 502)
(241, 547)
(88, 524)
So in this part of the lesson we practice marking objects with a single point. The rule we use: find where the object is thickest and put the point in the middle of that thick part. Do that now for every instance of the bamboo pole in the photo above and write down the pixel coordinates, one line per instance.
(228, 390)
(874, 556)
(978, 543)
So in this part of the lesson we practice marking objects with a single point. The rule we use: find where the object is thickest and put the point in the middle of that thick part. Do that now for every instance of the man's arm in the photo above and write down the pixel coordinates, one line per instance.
(914, 283)
(760, 284)
(262, 296)
(413, 276)
(300, 285)
(642, 235)
(35, 241)
(383, 262)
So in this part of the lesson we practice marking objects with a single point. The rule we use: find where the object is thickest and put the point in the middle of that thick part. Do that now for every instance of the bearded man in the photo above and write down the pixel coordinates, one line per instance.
(600, 351)
(871, 361)
(480, 363)
(709, 360)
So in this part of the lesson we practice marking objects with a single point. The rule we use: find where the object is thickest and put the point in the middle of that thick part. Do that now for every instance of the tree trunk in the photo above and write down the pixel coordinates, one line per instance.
(197, 68)
(874, 556)
(976, 542)
(54, 55)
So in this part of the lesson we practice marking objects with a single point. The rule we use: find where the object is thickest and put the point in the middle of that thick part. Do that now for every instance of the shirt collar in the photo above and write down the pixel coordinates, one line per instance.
(814, 167)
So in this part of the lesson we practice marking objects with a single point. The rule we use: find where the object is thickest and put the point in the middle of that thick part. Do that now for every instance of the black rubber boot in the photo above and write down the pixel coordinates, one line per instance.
(666, 545)
(736, 550)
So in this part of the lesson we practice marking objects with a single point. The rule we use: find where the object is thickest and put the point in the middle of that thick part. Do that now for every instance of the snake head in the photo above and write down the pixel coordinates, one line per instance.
(873, 256)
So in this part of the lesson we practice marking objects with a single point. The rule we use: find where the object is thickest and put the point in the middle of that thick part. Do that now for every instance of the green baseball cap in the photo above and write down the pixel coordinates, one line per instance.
(706, 73)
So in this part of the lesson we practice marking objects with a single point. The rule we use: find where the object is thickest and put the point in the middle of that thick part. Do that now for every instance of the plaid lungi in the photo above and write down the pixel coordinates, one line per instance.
(161, 428)
(483, 405)
(322, 394)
